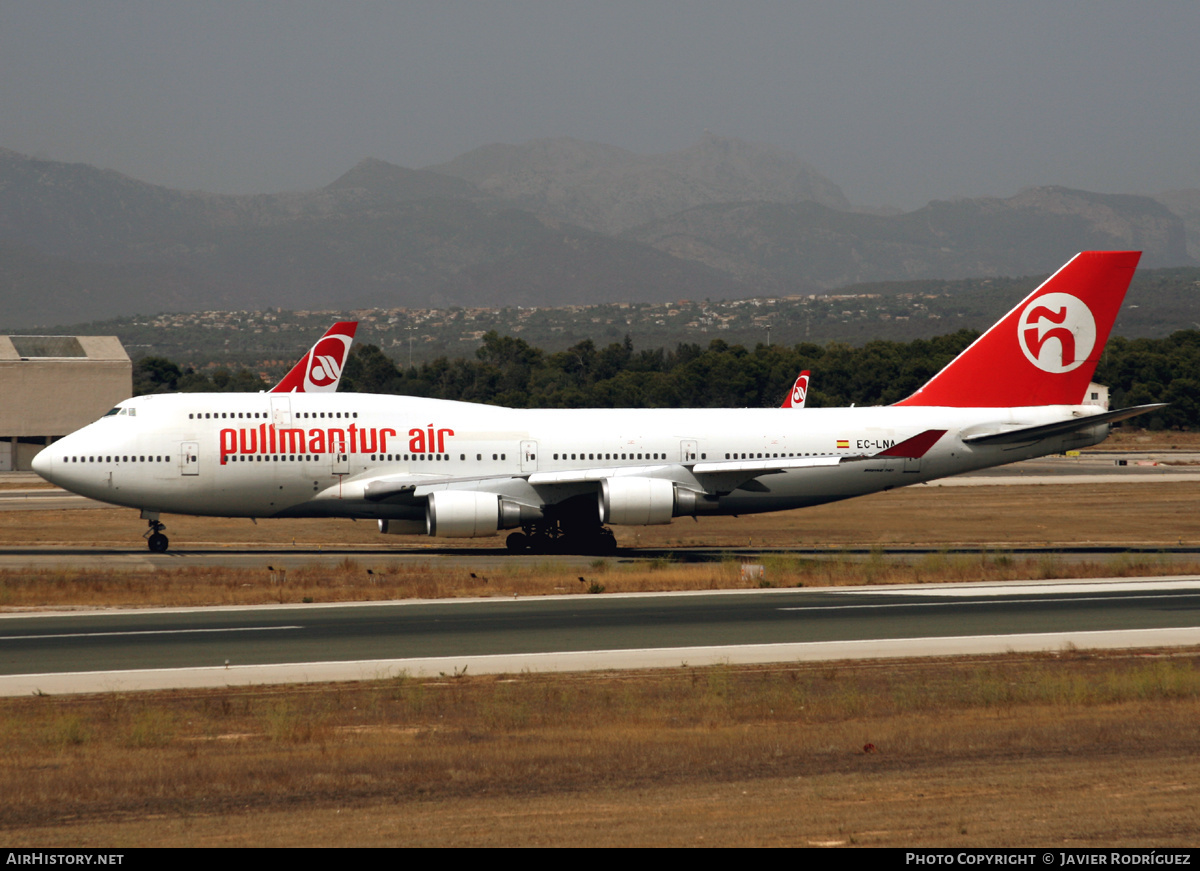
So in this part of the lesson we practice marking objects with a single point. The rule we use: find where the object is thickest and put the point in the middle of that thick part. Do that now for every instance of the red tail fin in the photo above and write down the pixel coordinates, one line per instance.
(799, 393)
(320, 370)
(1045, 350)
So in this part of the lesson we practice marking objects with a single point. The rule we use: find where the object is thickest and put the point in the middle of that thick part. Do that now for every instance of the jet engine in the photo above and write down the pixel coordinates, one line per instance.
(649, 501)
(471, 514)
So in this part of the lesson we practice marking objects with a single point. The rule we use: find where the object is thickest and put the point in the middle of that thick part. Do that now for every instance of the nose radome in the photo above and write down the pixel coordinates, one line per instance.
(42, 463)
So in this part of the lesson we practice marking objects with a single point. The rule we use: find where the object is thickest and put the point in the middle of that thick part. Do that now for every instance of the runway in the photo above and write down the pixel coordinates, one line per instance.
(91, 652)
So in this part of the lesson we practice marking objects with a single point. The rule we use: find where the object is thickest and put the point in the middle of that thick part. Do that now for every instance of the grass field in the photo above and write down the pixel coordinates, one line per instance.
(1057, 750)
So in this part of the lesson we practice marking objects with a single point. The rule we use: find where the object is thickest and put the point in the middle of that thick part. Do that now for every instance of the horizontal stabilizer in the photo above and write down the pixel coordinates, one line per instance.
(1062, 427)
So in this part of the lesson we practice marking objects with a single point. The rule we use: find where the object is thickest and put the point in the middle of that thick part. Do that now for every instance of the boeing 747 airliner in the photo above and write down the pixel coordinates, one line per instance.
(560, 478)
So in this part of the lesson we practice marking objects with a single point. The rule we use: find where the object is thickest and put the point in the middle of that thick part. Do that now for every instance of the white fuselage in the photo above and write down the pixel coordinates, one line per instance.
(315, 455)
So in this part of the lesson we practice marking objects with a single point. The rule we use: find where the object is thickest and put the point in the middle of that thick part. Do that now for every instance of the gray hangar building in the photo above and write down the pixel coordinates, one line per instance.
(53, 385)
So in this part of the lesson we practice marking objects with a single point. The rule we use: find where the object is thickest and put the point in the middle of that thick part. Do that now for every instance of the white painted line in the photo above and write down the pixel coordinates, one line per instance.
(885, 605)
(147, 632)
(1007, 588)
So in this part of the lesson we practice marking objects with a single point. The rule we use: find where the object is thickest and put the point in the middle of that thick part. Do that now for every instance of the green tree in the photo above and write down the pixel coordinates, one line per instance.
(155, 375)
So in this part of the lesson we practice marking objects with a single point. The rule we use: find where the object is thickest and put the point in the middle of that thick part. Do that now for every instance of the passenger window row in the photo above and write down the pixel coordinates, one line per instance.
(767, 456)
(260, 415)
(406, 458)
(281, 458)
(627, 456)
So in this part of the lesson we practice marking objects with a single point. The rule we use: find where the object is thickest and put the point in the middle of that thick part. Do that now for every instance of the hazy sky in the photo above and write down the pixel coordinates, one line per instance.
(898, 102)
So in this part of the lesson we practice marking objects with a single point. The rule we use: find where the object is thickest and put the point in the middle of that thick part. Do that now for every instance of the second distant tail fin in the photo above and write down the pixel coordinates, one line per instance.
(320, 370)
(1045, 350)
(799, 393)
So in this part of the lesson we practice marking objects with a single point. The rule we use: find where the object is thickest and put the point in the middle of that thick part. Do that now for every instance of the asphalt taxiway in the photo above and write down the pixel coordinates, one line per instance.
(126, 650)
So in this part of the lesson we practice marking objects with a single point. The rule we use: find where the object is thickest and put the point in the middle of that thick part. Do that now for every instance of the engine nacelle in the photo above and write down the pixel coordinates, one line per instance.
(689, 503)
(471, 514)
(636, 501)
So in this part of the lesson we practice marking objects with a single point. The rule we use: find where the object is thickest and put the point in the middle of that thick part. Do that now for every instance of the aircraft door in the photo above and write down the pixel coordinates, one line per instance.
(529, 456)
(687, 451)
(281, 411)
(189, 458)
(341, 459)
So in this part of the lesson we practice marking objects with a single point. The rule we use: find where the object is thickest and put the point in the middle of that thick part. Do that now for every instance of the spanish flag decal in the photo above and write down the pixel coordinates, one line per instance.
(843, 444)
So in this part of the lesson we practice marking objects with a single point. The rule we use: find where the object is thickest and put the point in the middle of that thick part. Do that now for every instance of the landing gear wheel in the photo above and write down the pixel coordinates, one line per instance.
(518, 542)
(155, 540)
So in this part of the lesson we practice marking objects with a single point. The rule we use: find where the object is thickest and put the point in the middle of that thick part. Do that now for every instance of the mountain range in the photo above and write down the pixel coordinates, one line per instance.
(550, 222)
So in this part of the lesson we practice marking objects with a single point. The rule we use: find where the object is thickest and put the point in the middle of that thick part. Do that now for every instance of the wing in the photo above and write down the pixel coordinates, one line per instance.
(1006, 434)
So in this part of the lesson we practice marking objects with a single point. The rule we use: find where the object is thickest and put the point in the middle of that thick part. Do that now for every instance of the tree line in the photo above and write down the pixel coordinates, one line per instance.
(509, 371)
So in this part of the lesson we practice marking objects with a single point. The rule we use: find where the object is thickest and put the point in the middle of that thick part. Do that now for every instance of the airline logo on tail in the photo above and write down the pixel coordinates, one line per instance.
(320, 370)
(1057, 332)
(1045, 350)
(799, 393)
(325, 362)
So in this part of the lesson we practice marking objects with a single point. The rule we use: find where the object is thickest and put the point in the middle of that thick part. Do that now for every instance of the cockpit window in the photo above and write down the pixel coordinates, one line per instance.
(116, 410)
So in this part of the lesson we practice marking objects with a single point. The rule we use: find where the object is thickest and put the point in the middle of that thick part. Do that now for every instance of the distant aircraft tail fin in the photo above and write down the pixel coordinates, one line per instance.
(320, 370)
(1045, 350)
(799, 393)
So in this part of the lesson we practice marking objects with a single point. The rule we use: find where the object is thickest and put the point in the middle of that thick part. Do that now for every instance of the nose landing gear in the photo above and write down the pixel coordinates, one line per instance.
(155, 540)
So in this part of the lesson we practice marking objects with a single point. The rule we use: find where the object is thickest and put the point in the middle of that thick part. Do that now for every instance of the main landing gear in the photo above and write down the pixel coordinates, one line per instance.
(552, 538)
(155, 540)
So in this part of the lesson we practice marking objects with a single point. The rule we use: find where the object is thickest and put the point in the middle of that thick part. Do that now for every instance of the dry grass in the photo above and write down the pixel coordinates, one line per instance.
(1071, 749)
(1122, 439)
